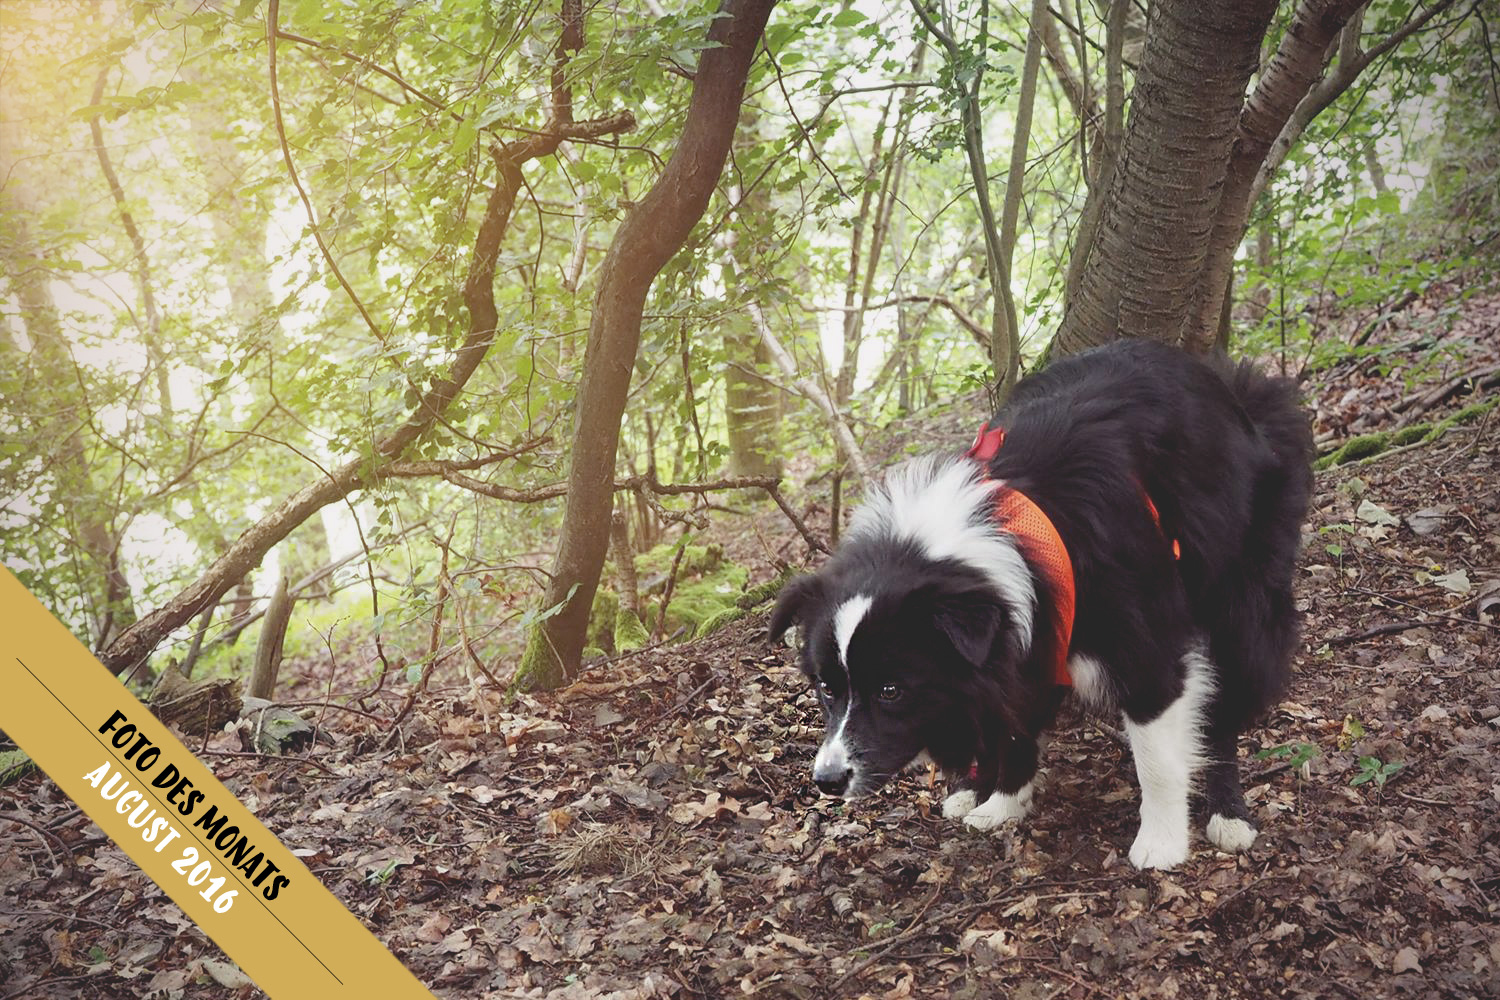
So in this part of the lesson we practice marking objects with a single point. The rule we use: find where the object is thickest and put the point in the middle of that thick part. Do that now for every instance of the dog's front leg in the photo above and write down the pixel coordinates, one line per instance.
(1010, 799)
(973, 787)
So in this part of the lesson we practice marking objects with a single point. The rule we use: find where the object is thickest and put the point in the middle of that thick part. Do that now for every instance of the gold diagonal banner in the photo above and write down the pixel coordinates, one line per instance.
(154, 799)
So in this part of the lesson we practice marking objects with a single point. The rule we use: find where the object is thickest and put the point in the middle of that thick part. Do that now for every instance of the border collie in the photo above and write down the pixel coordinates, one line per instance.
(1127, 527)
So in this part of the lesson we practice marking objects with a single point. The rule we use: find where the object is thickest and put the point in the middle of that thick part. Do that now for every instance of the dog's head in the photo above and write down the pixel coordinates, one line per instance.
(903, 653)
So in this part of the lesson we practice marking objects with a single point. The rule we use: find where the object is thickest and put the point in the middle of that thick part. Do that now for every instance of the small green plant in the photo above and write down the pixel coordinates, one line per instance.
(1373, 769)
(1335, 548)
(383, 875)
(1295, 754)
(1298, 756)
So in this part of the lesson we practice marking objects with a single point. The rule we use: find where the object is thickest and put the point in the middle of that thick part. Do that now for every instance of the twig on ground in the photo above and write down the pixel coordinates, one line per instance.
(48, 838)
(1388, 629)
(1418, 608)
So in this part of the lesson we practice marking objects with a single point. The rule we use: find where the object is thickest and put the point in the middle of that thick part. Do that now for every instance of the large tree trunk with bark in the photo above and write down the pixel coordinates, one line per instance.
(1141, 270)
(1155, 254)
(645, 241)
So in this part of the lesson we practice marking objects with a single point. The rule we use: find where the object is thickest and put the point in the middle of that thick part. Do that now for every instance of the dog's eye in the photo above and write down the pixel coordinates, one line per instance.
(825, 689)
(890, 692)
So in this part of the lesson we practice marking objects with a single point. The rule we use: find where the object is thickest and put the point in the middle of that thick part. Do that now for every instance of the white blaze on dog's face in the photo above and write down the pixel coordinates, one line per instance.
(833, 768)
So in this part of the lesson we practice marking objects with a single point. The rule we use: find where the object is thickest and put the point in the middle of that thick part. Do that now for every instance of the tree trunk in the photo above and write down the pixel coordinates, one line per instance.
(1015, 180)
(1005, 339)
(1142, 270)
(272, 640)
(752, 404)
(90, 516)
(645, 241)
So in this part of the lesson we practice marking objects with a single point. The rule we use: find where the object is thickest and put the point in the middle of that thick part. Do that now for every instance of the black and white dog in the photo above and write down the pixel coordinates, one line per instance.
(1126, 526)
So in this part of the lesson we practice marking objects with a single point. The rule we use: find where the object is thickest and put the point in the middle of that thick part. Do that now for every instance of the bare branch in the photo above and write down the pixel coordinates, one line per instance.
(980, 334)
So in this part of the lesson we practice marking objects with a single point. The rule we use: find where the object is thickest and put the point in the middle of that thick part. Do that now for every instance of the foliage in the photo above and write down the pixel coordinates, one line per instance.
(1374, 769)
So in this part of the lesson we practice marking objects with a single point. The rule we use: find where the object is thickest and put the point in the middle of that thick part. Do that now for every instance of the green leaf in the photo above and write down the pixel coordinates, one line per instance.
(463, 139)
(847, 18)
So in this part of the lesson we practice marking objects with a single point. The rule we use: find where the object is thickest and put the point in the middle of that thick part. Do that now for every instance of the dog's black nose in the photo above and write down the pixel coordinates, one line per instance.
(832, 781)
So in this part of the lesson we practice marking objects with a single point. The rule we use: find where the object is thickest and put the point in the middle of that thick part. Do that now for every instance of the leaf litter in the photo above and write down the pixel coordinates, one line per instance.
(653, 833)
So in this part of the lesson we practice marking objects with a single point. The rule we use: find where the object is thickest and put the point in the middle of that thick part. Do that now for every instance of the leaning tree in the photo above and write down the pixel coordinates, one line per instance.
(655, 230)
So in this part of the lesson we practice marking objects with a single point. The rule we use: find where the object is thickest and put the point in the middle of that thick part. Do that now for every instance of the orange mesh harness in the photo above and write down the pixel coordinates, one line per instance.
(1043, 547)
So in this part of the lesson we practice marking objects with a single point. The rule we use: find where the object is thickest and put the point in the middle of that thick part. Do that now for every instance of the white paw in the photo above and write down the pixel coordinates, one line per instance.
(1158, 847)
(1230, 835)
(1000, 808)
(959, 804)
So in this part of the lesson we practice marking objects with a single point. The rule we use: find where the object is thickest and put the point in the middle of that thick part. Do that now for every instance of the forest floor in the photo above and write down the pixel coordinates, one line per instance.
(652, 830)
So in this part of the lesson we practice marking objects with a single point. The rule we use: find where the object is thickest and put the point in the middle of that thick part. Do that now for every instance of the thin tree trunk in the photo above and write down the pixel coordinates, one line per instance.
(752, 406)
(272, 639)
(653, 231)
(1287, 79)
(1111, 140)
(1015, 180)
(151, 333)
(91, 516)
(1290, 95)
(1005, 340)
(624, 554)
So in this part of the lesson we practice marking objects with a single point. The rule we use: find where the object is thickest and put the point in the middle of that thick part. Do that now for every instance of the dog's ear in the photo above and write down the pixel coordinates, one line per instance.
(796, 601)
(972, 621)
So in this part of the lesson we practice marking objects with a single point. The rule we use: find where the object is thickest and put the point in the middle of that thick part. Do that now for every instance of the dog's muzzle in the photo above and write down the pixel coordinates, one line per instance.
(832, 770)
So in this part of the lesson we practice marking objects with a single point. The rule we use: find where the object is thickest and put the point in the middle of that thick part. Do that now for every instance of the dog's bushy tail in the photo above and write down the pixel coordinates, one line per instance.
(1261, 625)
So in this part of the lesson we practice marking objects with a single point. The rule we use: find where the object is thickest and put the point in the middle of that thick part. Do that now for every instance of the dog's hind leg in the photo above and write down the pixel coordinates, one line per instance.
(1167, 750)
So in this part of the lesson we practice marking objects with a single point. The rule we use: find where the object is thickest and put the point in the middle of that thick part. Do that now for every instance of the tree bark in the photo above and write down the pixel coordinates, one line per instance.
(1110, 142)
(645, 241)
(1005, 339)
(1015, 180)
(272, 640)
(1287, 79)
(752, 403)
(1140, 277)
